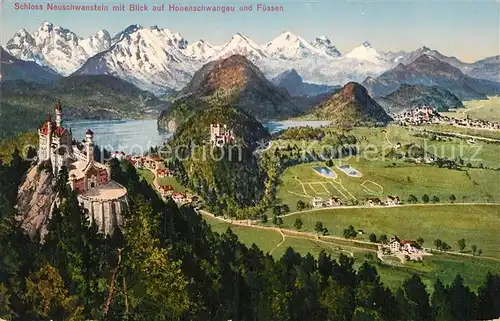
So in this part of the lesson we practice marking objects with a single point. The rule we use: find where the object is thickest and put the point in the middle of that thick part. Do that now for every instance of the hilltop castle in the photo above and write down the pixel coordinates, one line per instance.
(220, 135)
(104, 198)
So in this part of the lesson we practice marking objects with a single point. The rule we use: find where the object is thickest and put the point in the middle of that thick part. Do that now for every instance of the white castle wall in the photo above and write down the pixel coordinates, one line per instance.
(107, 214)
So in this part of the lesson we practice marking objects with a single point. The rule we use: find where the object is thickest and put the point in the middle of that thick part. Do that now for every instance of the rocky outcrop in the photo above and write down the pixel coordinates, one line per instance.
(36, 197)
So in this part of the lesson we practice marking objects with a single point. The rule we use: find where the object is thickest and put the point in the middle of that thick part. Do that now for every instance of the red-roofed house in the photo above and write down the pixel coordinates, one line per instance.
(398, 245)
(163, 172)
(166, 190)
(179, 197)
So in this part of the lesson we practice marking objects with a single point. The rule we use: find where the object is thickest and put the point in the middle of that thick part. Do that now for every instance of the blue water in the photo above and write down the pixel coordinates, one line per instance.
(349, 170)
(276, 126)
(325, 171)
(134, 137)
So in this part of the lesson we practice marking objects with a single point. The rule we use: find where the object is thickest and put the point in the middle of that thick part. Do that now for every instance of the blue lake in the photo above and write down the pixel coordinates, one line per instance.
(325, 171)
(349, 170)
(136, 136)
(275, 126)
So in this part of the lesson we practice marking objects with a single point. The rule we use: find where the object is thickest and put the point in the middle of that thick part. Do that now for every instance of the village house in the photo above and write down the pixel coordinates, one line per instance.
(153, 163)
(410, 247)
(180, 197)
(373, 201)
(392, 200)
(118, 155)
(317, 202)
(166, 190)
(334, 201)
(163, 172)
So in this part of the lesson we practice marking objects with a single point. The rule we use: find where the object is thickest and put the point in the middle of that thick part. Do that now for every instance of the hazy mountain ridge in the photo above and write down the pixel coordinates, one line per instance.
(12, 68)
(296, 87)
(429, 71)
(412, 96)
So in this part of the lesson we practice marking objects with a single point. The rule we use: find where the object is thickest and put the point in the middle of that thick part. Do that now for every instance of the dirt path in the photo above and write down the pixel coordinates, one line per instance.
(387, 138)
(280, 243)
(309, 235)
(466, 111)
(339, 208)
(314, 238)
(461, 135)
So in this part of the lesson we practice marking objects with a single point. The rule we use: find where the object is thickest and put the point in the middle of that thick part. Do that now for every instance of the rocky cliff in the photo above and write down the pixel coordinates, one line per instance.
(35, 200)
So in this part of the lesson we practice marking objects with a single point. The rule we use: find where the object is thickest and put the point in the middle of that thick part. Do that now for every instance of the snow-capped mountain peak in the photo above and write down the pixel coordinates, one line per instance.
(239, 44)
(365, 52)
(325, 45)
(125, 32)
(57, 48)
(98, 42)
(46, 26)
(152, 58)
(290, 46)
(200, 50)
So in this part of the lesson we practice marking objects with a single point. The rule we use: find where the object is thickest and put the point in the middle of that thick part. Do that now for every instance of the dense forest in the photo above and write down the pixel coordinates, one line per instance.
(167, 264)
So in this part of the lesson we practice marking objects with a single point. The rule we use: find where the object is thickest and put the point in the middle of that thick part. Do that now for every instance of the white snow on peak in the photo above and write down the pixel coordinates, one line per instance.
(56, 47)
(290, 46)
(324, 44)
(365, 52)
(98, 42)
(241, 45)
(151, 58)
(200, 50)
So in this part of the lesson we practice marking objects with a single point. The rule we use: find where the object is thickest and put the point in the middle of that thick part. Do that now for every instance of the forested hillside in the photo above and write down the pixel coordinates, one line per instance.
(167, 264)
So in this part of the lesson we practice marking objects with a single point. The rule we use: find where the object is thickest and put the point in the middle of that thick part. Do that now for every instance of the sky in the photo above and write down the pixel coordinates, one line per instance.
(469, 30)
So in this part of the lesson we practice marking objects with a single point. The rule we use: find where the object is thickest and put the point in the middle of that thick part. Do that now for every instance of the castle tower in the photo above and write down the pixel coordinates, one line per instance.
(58, 114)
(48, 142)
(89, 135)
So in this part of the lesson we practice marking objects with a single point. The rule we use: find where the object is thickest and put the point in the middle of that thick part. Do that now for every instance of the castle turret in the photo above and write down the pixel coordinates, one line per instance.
(48, 143)
(58, 114)
(89, 135)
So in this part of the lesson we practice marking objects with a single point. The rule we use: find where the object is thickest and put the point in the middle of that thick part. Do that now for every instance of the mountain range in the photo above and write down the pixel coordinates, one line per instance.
(160, 60)
(12, 68)
(430, 71)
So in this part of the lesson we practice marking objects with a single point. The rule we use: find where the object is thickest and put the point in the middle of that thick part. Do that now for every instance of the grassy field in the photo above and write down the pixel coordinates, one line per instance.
(149, 177)
(378, 142)
(383, 138)
(379, 179)
(264, 239)
(171, 181)
(444, 266)
(477, 224)
(464, 130)
(479, 109)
